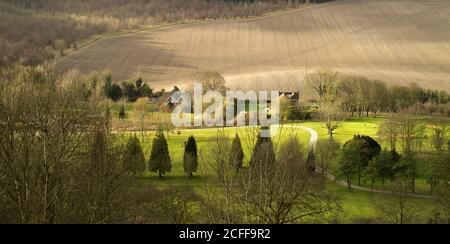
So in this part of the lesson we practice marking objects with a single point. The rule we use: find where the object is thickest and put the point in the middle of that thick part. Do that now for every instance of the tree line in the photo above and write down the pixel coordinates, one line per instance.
(358, 95)
(59, 161)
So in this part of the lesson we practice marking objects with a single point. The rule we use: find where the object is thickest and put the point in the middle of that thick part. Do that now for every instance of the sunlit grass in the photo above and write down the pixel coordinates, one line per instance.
(355, 204)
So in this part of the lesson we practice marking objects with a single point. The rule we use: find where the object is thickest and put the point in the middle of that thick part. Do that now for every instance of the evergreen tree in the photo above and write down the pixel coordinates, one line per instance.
(190, 157)
(311, 161)
(129, 90)
(138, 84)
(107, 85)
(133, 159)
(357, 154)
(122, 112)
(350, 161)
(159, 158)
(147, 91)
(263, 154)
(114, 92)
(369, 148)
(383, 166)
(237, 154)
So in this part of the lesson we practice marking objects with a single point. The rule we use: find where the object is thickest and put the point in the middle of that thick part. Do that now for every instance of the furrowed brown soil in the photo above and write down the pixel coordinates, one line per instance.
(399, 41)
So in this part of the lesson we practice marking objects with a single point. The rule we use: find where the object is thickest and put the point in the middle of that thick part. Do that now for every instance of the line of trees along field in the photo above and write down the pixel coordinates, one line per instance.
(359, 95)
(34, 31)
(342, 95)
(339, 96)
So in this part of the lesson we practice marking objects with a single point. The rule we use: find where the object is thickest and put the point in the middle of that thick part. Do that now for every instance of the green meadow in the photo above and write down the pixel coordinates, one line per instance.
(354, 204)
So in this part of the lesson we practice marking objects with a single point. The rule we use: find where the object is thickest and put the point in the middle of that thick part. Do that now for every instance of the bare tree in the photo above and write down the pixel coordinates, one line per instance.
(443, 193)
(168, 205)
(284, 192)
(212, 81)
(220, 205)
(397, 209)
(325, 153)
(324, 83)
(60, 45)
(47, 157)
(411, 131)
(281, 192)
(332, 116)
(439, 128)
(436, 160)
(388, 131)
(140, 105)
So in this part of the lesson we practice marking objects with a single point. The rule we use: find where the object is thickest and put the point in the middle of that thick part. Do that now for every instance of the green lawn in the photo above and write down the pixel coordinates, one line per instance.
(355, 204)
(133, 116)
(204, 138)
(360, 204)
(349, 128)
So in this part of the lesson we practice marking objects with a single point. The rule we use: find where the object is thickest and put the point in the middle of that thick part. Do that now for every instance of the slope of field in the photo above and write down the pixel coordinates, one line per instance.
(398, 41)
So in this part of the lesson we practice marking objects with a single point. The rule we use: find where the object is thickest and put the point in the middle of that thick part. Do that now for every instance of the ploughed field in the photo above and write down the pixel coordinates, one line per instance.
(399, 41)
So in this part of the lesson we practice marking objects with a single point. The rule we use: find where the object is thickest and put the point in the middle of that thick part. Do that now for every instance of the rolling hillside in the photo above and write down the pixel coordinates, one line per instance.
(394, 40)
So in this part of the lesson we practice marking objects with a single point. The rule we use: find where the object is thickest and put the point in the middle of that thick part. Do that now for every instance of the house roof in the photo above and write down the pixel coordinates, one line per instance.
(290, 95)
(175, 96)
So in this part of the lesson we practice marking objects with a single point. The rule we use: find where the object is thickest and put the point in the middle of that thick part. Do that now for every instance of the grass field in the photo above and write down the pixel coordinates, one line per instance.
(348, 128)
(152, 118)
(361, 205)
(133, 116)
(355, 204)
(204, 138)
(394, 40)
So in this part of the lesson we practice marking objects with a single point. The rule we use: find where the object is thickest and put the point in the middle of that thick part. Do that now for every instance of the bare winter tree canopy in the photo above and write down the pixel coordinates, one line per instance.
(57, 155)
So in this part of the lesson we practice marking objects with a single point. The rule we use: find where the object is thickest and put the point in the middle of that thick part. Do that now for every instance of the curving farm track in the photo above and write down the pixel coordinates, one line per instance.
(312, 146)
(398, 41)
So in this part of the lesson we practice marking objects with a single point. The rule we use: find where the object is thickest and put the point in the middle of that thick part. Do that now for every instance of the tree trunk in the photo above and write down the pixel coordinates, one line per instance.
(383, 185)
(160, 174)
(324, 174)
(142, 131)
(371, 186)
(431, 186)
(349, 184)
(359, 178)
